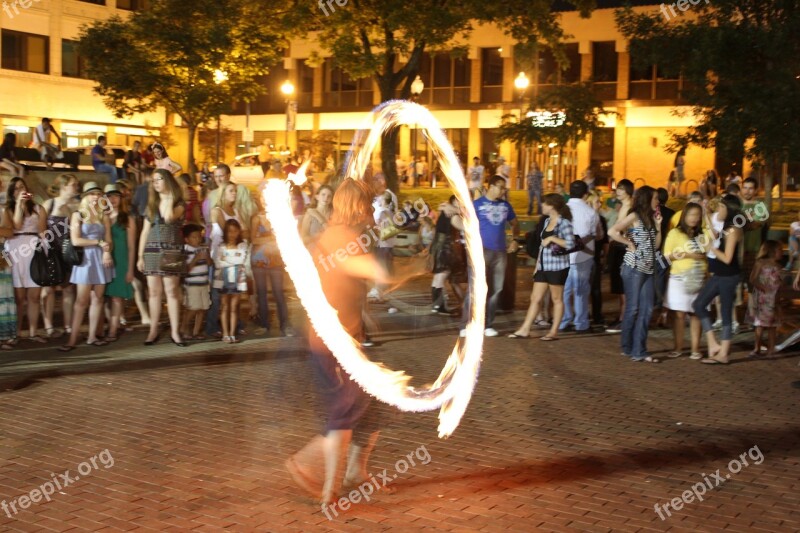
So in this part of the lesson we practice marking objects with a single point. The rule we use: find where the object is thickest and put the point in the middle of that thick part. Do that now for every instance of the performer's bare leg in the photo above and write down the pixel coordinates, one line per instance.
(336, 443)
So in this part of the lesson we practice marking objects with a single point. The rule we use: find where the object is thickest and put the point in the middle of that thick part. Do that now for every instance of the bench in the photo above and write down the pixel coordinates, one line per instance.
(31, 159)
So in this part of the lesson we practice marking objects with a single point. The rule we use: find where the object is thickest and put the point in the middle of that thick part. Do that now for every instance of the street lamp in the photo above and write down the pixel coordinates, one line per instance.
(521, 82)
(287, 88)
(220, 76)
(416, 89)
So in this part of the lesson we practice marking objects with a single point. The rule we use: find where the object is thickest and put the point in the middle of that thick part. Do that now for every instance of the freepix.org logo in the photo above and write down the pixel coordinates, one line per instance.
(12, 8)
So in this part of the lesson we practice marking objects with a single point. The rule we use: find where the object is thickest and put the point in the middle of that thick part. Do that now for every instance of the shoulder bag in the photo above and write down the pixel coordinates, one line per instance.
(46, 268)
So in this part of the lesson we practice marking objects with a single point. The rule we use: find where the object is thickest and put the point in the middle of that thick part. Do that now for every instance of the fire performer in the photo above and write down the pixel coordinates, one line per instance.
(344, 267)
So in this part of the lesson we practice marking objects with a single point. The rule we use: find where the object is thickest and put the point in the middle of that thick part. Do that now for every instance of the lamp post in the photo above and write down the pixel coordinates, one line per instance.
(220, 77)
(287, 88)
(417, 87)
(521, 83)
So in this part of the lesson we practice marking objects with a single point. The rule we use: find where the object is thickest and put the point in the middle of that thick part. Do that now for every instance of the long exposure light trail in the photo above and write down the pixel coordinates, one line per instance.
(452, 390)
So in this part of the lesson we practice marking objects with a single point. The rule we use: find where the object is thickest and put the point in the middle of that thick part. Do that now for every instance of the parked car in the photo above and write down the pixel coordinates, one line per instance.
(246, 170)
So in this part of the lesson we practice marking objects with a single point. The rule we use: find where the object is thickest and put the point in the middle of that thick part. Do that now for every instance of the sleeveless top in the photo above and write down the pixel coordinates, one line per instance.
(718, 268)
(58, 226)
(644, 258)
(217, 230)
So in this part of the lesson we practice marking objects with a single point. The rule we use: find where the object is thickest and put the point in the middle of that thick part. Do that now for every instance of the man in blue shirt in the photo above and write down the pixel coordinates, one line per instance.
(493, 214)
(99, 159)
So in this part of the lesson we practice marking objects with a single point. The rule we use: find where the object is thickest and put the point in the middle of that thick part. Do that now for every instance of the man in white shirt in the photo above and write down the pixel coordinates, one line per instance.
(475, 175)
(41, 140)
(578, 287)
(504, 170)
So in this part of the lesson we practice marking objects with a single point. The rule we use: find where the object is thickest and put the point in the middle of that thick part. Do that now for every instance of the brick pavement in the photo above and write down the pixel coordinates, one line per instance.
(558, 436)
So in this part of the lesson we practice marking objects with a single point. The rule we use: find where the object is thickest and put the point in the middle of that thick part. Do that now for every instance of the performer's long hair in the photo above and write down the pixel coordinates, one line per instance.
(352, 204)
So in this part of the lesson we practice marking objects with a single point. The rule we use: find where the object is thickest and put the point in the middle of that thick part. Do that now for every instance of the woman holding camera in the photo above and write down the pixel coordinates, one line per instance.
(28, 221)
(552, 265)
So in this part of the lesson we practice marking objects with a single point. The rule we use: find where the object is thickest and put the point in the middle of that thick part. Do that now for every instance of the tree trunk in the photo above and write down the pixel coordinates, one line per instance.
(192, 130)
(768, 181)
(389, 157)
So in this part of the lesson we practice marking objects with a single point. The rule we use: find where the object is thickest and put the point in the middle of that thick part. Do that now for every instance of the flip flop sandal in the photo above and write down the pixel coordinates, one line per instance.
(5, 346)
(712, 361)
(199, 337)
(66, 348)
(515, 336)
(548, 338)
(673, 355)
(37, 338)
(98, 342)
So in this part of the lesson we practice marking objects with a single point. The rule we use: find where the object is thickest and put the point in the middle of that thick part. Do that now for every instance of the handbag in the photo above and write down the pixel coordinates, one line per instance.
(71, 255)
(46, 268)
(388, 230)
(172, 262)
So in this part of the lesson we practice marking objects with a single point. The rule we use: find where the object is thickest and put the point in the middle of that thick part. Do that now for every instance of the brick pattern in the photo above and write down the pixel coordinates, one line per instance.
(559, 436)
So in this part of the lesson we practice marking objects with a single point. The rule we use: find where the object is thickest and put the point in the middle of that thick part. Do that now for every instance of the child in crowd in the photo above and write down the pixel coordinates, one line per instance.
(231, 258)
(794, 242)
(196, 299)
(762, 307)
(426, 231)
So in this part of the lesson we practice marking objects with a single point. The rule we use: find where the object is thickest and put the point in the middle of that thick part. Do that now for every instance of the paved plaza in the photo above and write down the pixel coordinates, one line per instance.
(559, 436)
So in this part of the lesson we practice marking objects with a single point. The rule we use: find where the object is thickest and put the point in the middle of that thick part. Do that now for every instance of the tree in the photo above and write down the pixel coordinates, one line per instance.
(575, 114)
(740, 61)
(385, 39)
(192, 58)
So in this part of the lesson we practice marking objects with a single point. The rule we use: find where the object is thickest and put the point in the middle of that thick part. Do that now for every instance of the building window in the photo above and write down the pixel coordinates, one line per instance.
(343, 91)
(72, 65)
(305, 78)
(549, 73)
(652, 83)
(573, 72)
(132, 5)
(604, 69)
(446, 79)
(25, 51)
(491, 75)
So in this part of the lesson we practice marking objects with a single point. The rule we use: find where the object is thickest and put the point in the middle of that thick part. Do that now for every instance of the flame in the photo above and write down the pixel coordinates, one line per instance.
(452, 390)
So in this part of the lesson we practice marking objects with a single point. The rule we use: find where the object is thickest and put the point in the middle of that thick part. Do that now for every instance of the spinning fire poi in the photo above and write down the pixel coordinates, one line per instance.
(452, 390)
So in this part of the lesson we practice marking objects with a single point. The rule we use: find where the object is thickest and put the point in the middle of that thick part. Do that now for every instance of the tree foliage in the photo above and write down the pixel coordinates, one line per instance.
(740, 60)
(582, 110)
(385, 39)
(168, 55)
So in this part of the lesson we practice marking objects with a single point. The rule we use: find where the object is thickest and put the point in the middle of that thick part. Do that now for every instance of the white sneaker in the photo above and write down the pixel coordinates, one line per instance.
(696, 356)
(717, 325)
(735, 327)
(392, 310)
(462, 333)
(373, 294)
(490, 332)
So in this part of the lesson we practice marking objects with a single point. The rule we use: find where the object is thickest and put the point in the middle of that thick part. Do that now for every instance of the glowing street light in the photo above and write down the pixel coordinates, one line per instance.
(417, 86)
(521, 82)
(220, 76)
(287, 88)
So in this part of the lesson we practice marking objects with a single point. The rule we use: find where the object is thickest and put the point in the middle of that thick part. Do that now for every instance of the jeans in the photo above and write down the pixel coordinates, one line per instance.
(275, 277)
(534, 193)
(661, 276)
(638, 310)
(495, 276)
(725, 287)
(579, 287)
(105, 168)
